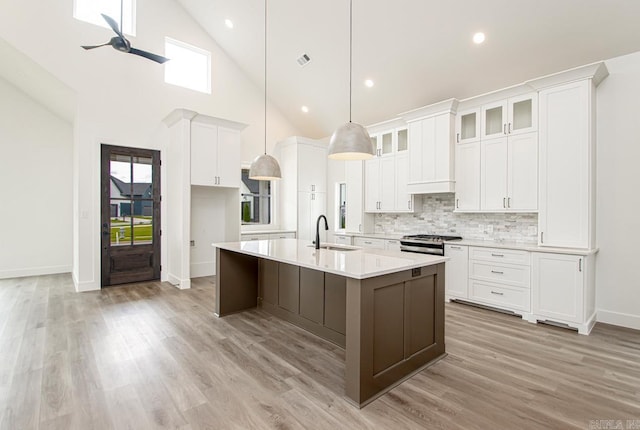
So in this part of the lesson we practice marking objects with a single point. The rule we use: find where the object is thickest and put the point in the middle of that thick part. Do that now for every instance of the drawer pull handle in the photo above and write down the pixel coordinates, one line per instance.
(455, 247)
(497, 293)
(499, 273)
(368, 243)
(497, 255)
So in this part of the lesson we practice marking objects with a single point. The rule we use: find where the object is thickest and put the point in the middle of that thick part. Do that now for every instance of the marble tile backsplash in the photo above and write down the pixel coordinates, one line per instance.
(437, 216)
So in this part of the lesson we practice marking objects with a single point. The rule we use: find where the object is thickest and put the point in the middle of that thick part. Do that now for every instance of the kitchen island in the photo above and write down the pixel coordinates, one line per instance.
(386, 308)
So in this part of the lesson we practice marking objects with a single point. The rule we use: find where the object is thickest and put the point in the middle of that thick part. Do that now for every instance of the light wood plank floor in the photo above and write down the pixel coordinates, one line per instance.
(151, 356)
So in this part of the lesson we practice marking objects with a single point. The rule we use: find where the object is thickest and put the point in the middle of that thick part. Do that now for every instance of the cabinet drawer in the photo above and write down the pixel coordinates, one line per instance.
(498, 255)
(283, 235)
(392, 245)
(342, 240)
(514, 275)
(254, 237)
(366, 242)
(500, 296)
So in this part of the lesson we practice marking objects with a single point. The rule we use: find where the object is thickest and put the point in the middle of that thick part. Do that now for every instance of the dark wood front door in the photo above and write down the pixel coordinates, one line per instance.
(130, 193)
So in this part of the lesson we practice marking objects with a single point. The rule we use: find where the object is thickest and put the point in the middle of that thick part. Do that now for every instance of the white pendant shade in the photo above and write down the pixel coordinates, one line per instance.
(265, 168)
(351, 141)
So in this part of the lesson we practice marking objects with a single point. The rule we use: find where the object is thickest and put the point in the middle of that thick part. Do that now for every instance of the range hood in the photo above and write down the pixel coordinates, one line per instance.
(432, 148)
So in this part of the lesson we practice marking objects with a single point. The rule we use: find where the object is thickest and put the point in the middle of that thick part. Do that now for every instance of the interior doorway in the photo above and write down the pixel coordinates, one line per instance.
(130, 195)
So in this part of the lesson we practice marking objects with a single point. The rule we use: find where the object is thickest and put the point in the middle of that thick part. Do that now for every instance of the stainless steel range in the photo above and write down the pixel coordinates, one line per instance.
(426, 243)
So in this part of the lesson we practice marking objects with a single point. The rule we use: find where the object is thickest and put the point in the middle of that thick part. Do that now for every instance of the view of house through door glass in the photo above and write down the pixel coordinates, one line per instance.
(130, 215)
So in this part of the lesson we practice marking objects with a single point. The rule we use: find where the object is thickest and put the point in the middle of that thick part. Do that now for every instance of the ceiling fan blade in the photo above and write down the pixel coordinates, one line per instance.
(113, 24)
(95, 46)
(157, 58)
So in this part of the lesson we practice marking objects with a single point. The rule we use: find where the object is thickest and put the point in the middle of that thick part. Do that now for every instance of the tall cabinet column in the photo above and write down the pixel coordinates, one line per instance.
(202, 196)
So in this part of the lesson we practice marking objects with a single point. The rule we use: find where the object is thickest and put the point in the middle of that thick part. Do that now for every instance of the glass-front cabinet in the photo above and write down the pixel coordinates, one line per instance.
(468, 126)
(515, 115)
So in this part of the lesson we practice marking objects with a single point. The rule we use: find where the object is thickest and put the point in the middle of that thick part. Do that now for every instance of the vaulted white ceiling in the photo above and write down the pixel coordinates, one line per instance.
(417, 51)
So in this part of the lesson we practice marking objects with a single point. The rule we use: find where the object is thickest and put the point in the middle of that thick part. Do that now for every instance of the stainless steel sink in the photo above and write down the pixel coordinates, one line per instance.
(333, 247)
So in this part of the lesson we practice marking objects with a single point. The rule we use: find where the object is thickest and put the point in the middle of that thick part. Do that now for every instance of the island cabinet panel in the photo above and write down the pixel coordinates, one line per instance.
(289, 287)
(268, 281)
(312, 295)
(420, 325)
(398, 331)
(388, 323)
(335, 302)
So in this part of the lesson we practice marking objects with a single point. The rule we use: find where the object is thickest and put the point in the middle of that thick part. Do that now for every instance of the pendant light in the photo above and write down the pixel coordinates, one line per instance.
(265, 167)
(350, 141)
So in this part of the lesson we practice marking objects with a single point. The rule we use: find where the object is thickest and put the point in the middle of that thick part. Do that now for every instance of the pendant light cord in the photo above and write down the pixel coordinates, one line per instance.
(350, 54)
(265, 77)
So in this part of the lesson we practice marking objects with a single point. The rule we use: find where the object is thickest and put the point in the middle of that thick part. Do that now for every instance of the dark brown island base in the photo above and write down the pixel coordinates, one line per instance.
(385, 308)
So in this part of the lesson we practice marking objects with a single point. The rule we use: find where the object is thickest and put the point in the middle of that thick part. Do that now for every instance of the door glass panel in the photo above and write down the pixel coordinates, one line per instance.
(120, 227)
(468, 126)
(402, 140)
(142, 179)
(120, 199)
(522, 115)
(387, 143)
(142, 224)
(493, 120)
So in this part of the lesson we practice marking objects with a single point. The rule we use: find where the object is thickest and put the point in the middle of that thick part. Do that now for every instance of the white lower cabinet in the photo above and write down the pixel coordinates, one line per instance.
(392, 245)
(367, 242)
(563, 290)
(342, 239)
(501, 278)
(456, 272)
(310, 207)
(267, 236)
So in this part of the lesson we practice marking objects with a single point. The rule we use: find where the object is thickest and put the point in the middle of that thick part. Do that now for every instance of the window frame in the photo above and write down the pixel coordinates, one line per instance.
(252, 227)
(100, 22)
(194, 49)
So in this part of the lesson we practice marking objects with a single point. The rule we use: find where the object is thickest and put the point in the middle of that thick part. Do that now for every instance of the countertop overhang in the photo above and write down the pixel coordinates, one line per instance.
(360, 263)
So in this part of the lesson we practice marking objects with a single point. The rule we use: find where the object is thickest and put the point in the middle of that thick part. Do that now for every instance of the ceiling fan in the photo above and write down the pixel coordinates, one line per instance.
(121, 43)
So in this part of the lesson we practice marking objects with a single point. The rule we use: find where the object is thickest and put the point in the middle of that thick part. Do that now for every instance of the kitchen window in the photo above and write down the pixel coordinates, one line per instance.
(255, 200)
(190, 66)
(90, 10)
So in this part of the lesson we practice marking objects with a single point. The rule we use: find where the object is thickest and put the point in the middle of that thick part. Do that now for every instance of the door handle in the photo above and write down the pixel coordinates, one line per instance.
(457, 137)
(457, 203)
(509, 128)
(504, 202)
(542, 237)
(504, 129)
(580, 265)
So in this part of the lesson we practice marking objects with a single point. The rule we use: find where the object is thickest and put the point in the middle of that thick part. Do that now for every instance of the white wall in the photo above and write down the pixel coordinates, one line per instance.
(36, 177)
(123, 98)
(618, 188)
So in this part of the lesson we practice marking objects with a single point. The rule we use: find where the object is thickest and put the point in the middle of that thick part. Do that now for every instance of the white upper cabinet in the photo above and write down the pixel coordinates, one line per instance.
(431, 148)
(467, 177)
(215, 155)
(385, 186)
(509, 173)
(515, 115)
(468, 126)
(312, 171)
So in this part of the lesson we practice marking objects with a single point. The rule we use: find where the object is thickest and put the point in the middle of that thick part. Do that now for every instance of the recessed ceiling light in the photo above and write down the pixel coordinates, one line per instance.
(304, 109)
(478, 38)
(368, 83)
(228, 23)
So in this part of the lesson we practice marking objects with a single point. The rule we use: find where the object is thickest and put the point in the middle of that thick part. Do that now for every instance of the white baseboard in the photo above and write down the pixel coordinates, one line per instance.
(198, 270)
(619, 319)
(183, 284)
(34, 271)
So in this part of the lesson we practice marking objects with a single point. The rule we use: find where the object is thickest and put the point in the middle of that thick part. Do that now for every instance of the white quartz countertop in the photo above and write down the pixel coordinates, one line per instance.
(359, 263)
(265, 231)
(523, 246)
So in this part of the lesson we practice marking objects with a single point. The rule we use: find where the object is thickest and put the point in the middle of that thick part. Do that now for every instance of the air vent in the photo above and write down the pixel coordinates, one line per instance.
(303, 60)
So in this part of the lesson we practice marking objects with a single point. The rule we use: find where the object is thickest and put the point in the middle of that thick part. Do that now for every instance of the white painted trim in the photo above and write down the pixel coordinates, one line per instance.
(183, 284)
(34, 271)
(82, 287)
(619, 319)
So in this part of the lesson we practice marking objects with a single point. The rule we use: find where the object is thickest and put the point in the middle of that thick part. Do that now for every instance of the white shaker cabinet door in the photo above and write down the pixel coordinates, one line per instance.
(493, 189)
(565, 166)
(467, 176)
(229, 158)
(523, 172)
(558, 287)
(204, 154)
(456, 271)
